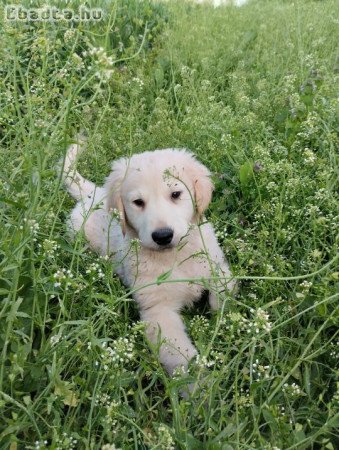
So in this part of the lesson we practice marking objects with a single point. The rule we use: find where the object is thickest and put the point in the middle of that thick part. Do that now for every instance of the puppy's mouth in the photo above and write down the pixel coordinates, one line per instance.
(162, 248)
(156, 247)
(159, 248)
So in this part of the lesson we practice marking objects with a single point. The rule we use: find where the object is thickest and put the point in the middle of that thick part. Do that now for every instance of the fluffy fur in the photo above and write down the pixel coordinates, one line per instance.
(112, 216)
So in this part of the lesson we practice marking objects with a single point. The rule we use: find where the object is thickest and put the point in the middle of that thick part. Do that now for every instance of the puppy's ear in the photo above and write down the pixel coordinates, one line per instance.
(113, 191)
(203, 186)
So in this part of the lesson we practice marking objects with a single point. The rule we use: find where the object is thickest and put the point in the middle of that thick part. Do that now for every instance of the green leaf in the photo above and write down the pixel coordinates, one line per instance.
(230, 429)
(12, 202)
(249, 37)
(299, 434)
(14, 309)
(159, 76)
(63, 390)
(23, 314)
(246, 174)
(271, 421)
(164, 276)
(74, 322)
(333, 422)
(193, 444)
(307, 378)
(9, 267)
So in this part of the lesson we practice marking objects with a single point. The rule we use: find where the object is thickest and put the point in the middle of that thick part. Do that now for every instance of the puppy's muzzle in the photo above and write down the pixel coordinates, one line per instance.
(162, 236)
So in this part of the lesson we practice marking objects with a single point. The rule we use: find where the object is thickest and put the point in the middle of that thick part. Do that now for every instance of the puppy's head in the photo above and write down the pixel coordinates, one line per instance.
(158, 195)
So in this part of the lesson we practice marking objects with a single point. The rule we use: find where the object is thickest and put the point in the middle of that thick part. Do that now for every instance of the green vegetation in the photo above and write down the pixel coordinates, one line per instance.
(252, 91)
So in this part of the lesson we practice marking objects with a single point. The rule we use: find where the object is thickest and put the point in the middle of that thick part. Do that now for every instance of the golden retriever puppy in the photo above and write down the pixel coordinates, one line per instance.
(148, 217)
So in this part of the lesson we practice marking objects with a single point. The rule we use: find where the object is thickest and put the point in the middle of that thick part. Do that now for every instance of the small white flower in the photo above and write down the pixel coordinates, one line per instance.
(49, 248)
(203, 362)
(293, 389)
(55, 339)
(260, 371)
(117, 353)
(32, 225)
(109, 447)
(309, 157)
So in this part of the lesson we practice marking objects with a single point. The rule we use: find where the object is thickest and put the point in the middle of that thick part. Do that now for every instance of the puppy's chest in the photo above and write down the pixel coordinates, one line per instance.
(195, 267)
(181, 264)
(175, 285)
(178, 270)
(166, 277)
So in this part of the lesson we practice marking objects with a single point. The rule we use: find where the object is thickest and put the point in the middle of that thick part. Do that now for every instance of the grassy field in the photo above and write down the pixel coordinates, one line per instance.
(252, 91)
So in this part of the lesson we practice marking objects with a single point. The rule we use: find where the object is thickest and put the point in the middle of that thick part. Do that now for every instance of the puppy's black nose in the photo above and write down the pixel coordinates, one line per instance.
(162, 236)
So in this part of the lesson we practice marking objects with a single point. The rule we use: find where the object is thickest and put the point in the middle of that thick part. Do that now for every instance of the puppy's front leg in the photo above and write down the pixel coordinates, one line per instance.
(166, 325)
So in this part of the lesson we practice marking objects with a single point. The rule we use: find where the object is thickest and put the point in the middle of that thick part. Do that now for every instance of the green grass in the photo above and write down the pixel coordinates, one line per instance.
(253, 92)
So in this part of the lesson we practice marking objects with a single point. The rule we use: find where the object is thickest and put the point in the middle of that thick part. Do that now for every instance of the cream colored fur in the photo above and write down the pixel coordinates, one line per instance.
(193, 253)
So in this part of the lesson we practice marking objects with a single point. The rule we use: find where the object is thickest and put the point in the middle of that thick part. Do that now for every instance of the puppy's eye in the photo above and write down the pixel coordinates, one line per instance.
(176, 194)
(139, 202)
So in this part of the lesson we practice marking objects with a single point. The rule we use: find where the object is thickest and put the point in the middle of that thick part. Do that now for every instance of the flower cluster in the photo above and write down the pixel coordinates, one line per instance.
(111, 410)
(95, 272)
(221, 233)
(164, 438)
(117, 354)
(180, 372)
(102, 400)
(66, 442)
(49, 248)
(103, 64)
(38, 445)
(202, 362)
(199, 326)
(261, 321)
(55, 338)
(309, 157)
(32, 226)
(115, 214)
(135, 244)
(244, 400)
(281, 410)
(334, 353)
(304, 287)
(137, 82)
(186, 72)
(69, 35)
(260, 371)
(111, 406)
(63, 278)
(237, 324)
(234, 323)
(109, 447)
(335, 398)
(50, 218)
(292, 389)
